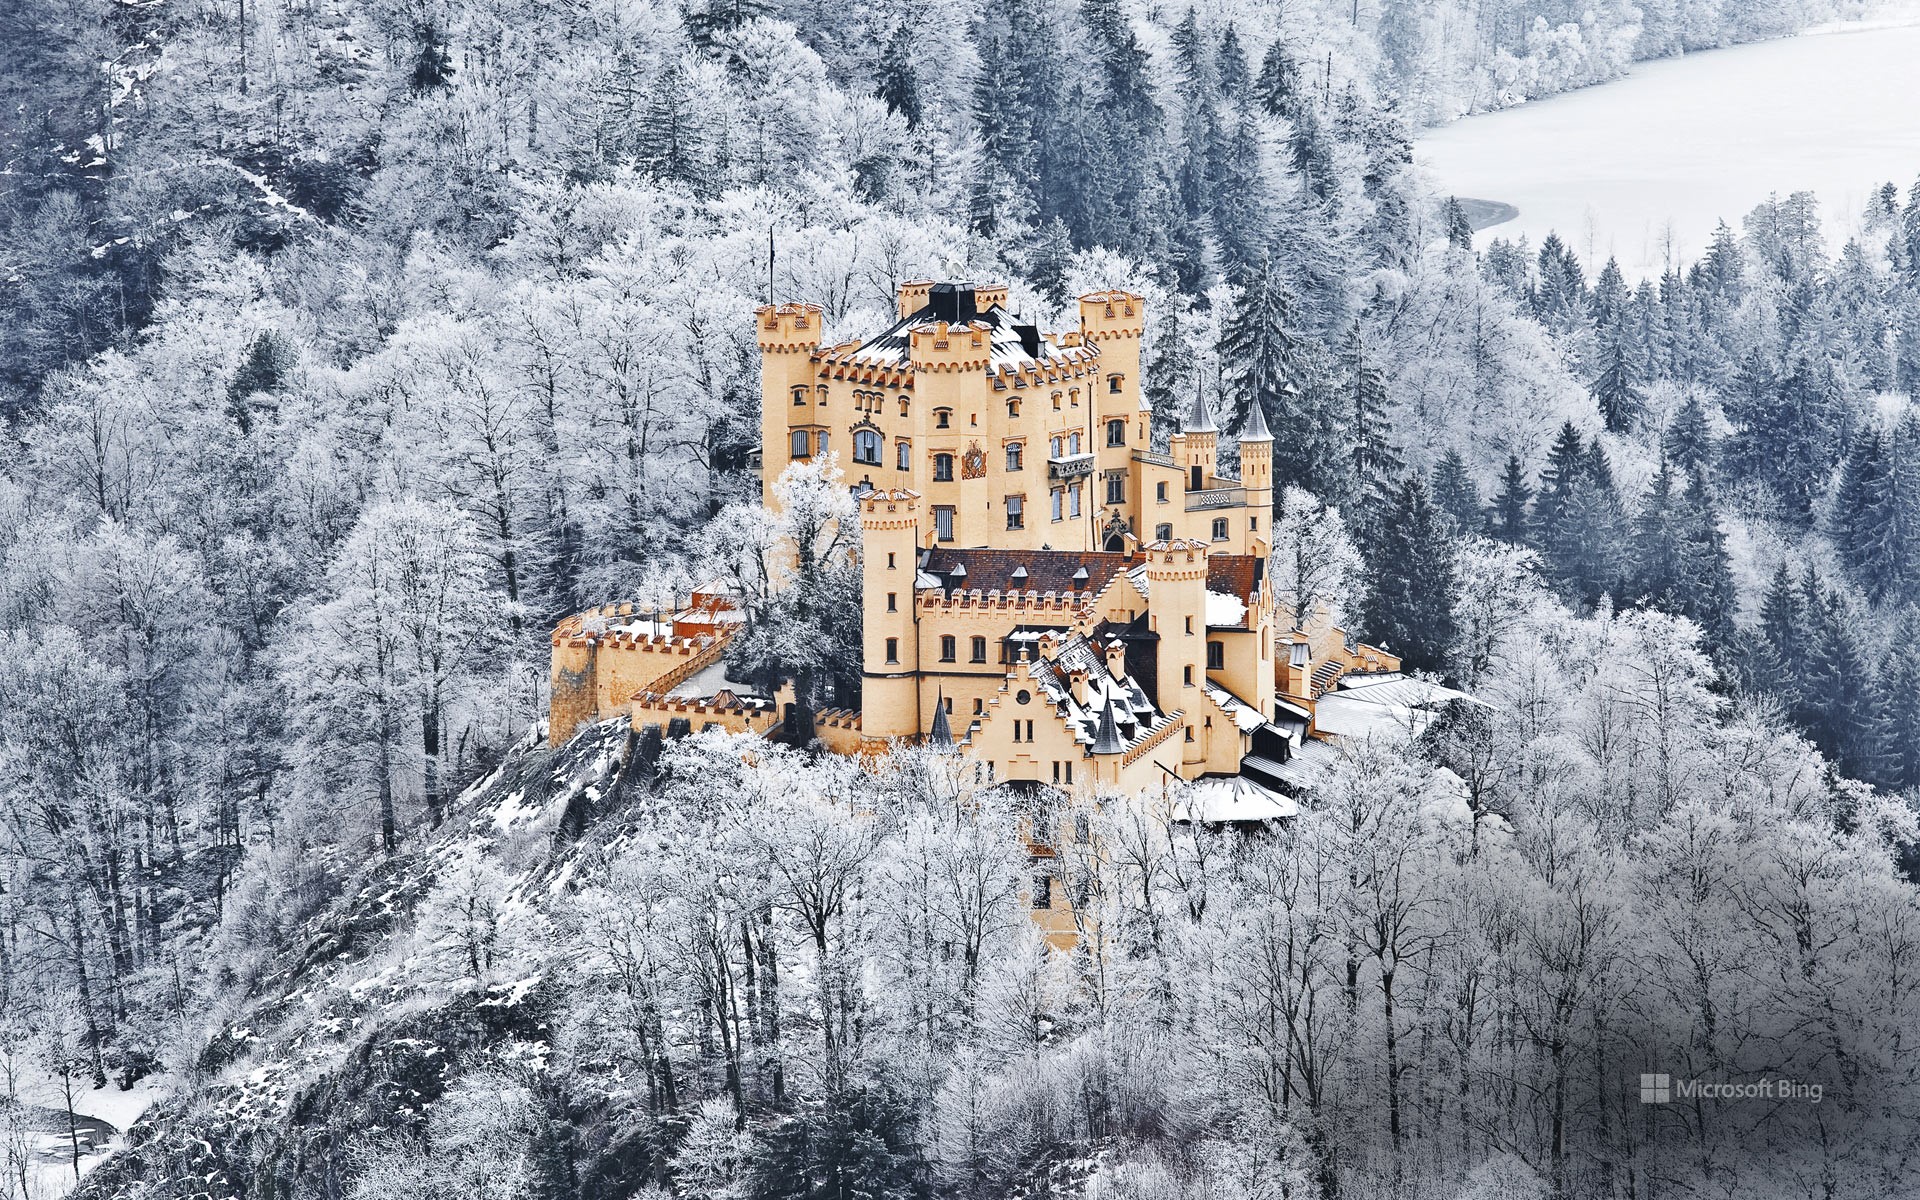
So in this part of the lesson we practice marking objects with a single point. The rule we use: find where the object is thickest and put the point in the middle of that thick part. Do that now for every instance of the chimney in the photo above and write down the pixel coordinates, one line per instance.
(1117, 659)
(1299, 670)
(1082, 687)
(1029, 336)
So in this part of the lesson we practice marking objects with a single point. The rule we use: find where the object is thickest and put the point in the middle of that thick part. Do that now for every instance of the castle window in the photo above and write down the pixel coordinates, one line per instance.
(1216, 656)
(979, 706)
(1073, 500)
(1253, 522)
(866, 447)
(1163, 533)
(800, 443)
(1013, 406)
(1056, 402)
(1189, 634)
(1016, 512)
(1073, 396)
(1160, 492)
(1054, 446)
(979, 652)
(903, 456)
(1196, 479)
(943, 468)
(1219, 529)
(1113, 384)
(1014, 451)
(890, 565)
(1189, 733)
(893, 650)
(947, 643)
(1116, 490)
(943, 522)
(1073, 442)
(1059, 500)
(1116, 433)
(942, 418)
(893, 601)
(903, 408)
(799, 396)
(821, 449)
(1043, 890)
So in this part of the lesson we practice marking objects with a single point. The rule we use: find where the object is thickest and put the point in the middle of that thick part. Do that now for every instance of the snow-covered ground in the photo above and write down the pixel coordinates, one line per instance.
(1653, 161)
(97, 1113)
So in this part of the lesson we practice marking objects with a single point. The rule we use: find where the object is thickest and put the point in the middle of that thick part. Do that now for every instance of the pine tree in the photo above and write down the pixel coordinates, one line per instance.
(1192, 59)
(1897, 708)
(670, 140)
(1230, 65)
(899, 83)
(1260, 351)
(1409, 609)
(1688, 441)
(1507, 516)
(1721, 268)
(1375, 460)
(1866, 520)
(1456, 493)
(1242, 218)
(1657, 548)
(1459, 228)
(1617, 390)
(1278, 87)
(1777, 661)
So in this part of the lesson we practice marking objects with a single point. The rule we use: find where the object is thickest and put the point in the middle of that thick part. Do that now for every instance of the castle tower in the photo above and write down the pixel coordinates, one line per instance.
(949, 356)
(1114, 322)
(1201, 443)
(1256, 475)
(788, 334)
(1177, 608)
(890, 649)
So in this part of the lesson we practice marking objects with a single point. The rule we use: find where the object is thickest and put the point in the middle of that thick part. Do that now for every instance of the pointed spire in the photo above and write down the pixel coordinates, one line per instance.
(1255, 427)
(1106, 740)
(941, 735)
(1200, 420)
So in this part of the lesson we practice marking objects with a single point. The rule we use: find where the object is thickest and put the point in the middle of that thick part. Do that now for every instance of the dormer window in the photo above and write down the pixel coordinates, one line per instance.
(942, 418)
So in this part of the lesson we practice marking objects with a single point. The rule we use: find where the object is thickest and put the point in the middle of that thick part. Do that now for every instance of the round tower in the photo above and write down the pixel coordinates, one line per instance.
(788, 335)
(1201, 442)
(1177, 612)
(890, 631)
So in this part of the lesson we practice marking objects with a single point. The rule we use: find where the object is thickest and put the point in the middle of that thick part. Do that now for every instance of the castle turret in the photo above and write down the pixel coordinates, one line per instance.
(1201, 441)
(1177, 604)
(1256, 475)
(1114, 322)
(890, 643)
(788, 335)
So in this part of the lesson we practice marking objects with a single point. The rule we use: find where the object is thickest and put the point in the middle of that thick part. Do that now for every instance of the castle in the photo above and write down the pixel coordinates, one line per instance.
(1041, 588)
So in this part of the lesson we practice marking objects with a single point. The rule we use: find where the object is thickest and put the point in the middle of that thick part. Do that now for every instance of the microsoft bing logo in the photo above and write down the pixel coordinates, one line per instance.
(1656, 1089)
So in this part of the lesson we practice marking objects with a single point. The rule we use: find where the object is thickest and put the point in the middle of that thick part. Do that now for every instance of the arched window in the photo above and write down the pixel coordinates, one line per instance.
(1013, 456)
(1013, 408)
(943, 468)
(942, 418)
(799, 396)
(1054, 446)
(821, 447)
(1117, 433)
(1073, 442)
(1113, 384)
(866, 446)
(800, 443)
(903, 455)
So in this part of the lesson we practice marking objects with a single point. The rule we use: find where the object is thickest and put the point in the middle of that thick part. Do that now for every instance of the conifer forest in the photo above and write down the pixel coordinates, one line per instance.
(348, 346)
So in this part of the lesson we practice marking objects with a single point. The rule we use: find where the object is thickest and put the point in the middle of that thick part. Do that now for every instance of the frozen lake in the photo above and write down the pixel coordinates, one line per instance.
(1651, 162)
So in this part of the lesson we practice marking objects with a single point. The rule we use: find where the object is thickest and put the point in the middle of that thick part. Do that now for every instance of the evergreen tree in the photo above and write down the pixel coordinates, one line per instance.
(1897, 708)
(1375, 460)
(1866, 524)
(1170, 374)
(1193, 60)
(1278, 86)
(899, 83)
(1455, 491)
(1777, 660)
(1241, 216)
(1507, 515)
(670, 140)
(1617, 390)
(1409, 609)
(1657, 547)
(1260, 349)
(1688, 441)
(1459, 228)
(1230, 66)
(1837, 690)
(1706, 584)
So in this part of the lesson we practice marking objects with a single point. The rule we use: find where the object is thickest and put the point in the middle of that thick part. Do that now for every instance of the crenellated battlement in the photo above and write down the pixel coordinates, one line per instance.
(944, 347)
(1053, 603)
(1112, 315)
(788, 327)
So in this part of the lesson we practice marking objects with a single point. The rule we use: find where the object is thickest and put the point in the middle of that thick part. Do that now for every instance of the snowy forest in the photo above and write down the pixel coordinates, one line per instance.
(346, 345)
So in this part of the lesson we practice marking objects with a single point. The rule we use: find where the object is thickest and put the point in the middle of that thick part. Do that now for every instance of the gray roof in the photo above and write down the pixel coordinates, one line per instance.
(1200, 419)
(1255, 428)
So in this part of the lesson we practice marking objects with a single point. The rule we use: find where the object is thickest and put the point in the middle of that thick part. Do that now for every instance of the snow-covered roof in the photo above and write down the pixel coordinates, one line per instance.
(1013, 346)
(1224, 611)
(1245, 716)
(1232, 798)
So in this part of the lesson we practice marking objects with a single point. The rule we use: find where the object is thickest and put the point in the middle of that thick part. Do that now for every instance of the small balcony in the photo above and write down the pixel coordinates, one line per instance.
(1209, 498)
(1070, 467)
